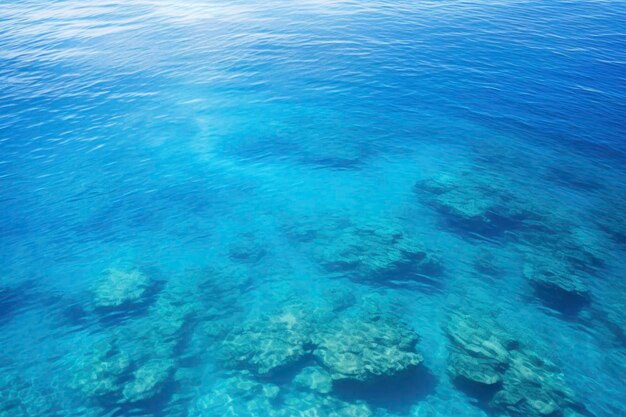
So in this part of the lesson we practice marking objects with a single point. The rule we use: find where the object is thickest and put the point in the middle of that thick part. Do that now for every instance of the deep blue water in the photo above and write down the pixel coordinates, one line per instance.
(312, 208)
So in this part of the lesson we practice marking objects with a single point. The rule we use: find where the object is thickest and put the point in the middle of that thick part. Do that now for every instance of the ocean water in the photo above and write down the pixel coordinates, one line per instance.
(312, 208)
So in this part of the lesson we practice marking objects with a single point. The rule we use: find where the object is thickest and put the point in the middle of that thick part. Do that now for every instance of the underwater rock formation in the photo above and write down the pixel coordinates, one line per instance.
(363, 350)
(609, 217)
(478, 203)
(102, 371)
(557, 282)
(614, 226)
(14, 298)
(507, 377)
(485, 263)
(127, 368)
(218, 289)
(316, 350)
(19, 397)
(479, 353)
(237, 396)
(117, 288)
(134, 361)
(533, 386)
(560, 254)
(372, 251)
(581, 248)
(148, 380)
(247, 249)
(344, 409)
(314, 378)
(377, 253)
(270, 344)
(561, 262)
(241, 395)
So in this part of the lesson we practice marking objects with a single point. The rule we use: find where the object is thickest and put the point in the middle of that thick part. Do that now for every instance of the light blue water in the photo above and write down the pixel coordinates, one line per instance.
(256, 208)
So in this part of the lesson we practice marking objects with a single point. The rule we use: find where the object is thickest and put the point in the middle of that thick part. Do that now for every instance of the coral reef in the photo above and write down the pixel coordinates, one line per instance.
(505, 375)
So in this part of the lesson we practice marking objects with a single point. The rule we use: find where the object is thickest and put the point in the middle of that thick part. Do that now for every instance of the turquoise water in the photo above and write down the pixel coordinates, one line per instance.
(312, 208)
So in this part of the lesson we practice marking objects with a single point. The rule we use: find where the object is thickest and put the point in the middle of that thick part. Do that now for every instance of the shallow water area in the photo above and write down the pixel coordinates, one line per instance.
(312, 208)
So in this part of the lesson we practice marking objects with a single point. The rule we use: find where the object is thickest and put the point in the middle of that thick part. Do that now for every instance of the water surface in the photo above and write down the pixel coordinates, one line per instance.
(315, 208)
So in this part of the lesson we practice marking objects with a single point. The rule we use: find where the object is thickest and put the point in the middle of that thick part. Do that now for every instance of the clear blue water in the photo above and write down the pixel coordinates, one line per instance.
(256, 208)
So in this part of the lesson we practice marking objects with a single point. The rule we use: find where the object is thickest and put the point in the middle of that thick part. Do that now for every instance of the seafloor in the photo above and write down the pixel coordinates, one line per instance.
(316, 210)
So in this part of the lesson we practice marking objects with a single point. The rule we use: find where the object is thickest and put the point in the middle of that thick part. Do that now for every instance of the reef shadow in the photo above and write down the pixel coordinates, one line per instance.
(397, 393)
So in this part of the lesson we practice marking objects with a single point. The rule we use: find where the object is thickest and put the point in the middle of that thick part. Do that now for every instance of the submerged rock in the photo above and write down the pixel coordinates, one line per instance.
(507, 377)
(615, 227)
(478, 203)
(585, 248)
(377, 253)
(237, 396)
(136, 359)
(532, 386)
(242, 396)
(479, 351)
(609, 217)
(561, 260)
(269, 344)
(314, 404)
(581, 248)
(102, 370)
(321, 348)
(557, 282)
(358, 409)
(117, 288)
(148, 380)
(247, 249)
(363, 350)
(21, 396)
(485, 371)
(124, 370)
(486, 263)
(314, 378)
